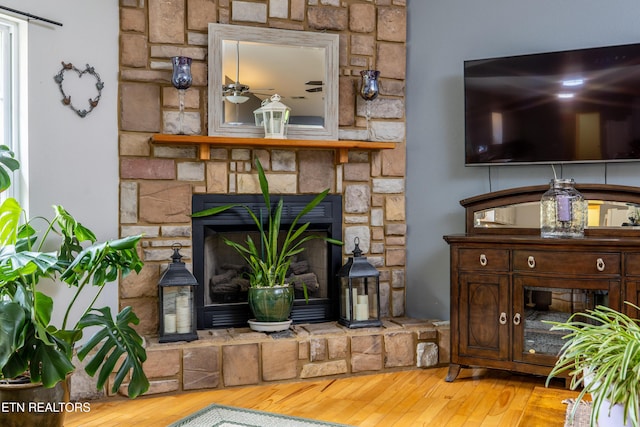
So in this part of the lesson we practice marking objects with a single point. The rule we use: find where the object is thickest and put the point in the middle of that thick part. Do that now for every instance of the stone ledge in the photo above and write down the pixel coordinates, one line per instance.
(240, 357)
(231, 335)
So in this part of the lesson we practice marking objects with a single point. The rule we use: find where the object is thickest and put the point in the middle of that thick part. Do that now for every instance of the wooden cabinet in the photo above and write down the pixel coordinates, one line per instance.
(505, 287)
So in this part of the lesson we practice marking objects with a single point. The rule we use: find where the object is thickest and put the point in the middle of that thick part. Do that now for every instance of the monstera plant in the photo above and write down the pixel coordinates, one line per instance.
(67, 254)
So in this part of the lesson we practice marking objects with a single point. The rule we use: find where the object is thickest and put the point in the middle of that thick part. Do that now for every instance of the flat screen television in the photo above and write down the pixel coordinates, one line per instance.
(558, 107)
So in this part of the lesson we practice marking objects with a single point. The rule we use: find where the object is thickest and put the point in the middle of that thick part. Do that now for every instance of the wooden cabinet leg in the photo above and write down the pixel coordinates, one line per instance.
(454, 370)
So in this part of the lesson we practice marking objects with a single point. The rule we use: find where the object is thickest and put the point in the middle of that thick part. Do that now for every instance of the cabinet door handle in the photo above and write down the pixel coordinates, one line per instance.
(483, 260)
(600, 264)
(531, 261)
(516, 319)
(503, 318)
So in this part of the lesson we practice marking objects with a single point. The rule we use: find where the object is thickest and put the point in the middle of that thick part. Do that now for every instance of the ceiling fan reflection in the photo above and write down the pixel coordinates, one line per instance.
(314, 83)
(237, 92)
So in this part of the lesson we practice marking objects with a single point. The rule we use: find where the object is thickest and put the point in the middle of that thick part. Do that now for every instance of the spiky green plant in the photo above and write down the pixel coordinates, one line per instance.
(270, 258)
(602, 355)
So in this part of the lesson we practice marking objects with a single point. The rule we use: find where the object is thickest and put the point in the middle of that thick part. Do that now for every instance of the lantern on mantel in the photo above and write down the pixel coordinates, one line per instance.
(359, 292)
(273, 115)
(176, 297)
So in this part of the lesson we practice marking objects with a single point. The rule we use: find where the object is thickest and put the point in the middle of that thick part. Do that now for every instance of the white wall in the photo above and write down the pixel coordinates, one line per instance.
(441, 35)
(73, 161)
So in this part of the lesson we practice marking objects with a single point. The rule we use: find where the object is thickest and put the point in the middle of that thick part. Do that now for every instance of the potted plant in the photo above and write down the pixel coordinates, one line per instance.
(270, 296)
(32, 349)
(602, 355)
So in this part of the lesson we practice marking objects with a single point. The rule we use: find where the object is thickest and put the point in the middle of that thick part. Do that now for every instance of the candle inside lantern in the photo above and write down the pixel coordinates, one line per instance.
(347, 304)
(362, 312)
(183, 315)
(354, 300)
(363, 299)
(169, 323)
(362, 308)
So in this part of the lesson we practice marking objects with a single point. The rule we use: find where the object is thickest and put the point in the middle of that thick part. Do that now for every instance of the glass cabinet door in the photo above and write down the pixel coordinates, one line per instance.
(538, 300)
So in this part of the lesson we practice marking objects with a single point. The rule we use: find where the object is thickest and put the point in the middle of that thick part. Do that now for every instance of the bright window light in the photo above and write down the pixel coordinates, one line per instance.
(13, 98)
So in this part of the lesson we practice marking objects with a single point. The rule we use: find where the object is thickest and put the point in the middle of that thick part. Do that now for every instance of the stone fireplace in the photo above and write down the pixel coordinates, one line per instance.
(159, 181)
(221, 301)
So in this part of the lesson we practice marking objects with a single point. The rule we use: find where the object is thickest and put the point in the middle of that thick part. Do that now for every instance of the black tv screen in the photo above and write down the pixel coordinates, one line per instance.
(557, 107)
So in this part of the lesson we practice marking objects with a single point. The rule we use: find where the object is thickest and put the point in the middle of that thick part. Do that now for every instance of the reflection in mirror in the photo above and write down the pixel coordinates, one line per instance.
(256, 71)
(522, 215)
(602, 214)
(250, 64)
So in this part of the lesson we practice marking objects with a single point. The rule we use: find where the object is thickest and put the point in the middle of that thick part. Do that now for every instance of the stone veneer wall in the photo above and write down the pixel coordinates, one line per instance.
(157, 181)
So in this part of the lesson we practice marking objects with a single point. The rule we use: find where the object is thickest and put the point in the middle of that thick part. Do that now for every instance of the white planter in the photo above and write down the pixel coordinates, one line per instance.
(606, 419)
(615, 419)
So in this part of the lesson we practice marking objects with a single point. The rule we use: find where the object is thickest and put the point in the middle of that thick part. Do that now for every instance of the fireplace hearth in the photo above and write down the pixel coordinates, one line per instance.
(221, 298)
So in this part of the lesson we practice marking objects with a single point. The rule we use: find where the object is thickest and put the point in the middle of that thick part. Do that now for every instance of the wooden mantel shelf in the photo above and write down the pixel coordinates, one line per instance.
(341, 147)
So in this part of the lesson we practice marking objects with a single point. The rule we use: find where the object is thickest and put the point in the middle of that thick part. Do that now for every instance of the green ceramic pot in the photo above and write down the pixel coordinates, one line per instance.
(271, 304)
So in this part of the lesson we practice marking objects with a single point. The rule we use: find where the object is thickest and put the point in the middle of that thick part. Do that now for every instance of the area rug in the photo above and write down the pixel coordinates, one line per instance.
(227, 416)
(582, 415)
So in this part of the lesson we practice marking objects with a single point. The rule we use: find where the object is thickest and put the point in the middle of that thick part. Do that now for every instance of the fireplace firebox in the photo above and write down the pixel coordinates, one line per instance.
(221, 298)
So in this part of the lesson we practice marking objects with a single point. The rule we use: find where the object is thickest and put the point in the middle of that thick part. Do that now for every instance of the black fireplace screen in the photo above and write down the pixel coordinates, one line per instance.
(221, 298)
(225, 279)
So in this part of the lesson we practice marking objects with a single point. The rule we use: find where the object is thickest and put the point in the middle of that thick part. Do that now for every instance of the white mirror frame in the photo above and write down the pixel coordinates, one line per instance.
(330, 43)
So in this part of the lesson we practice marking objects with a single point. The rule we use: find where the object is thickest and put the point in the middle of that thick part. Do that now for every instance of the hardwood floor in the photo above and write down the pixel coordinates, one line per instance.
(402, 399)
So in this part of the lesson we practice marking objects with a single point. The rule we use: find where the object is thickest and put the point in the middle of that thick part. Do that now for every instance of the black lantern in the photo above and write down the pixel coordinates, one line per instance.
(359, 292)
(176, 298)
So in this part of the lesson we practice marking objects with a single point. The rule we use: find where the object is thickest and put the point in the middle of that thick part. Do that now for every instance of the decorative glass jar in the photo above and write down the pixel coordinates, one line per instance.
(563, 210)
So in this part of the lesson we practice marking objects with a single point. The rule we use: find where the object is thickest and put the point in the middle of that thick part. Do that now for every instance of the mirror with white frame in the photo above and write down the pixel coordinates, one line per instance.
(250, 64)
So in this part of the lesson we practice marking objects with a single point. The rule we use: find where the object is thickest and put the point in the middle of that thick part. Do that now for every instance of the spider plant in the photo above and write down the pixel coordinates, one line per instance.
(269, 259)
(602, 355)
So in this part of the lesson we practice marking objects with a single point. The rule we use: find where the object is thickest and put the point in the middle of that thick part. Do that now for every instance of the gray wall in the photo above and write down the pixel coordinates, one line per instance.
(441, 35)
(73, 161)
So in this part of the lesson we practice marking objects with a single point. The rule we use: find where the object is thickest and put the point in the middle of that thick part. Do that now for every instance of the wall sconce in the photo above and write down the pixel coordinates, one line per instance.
(273, 115)
(181, 80)
(369, 86)
(176, 297)
(359, 292)
(369, 91)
